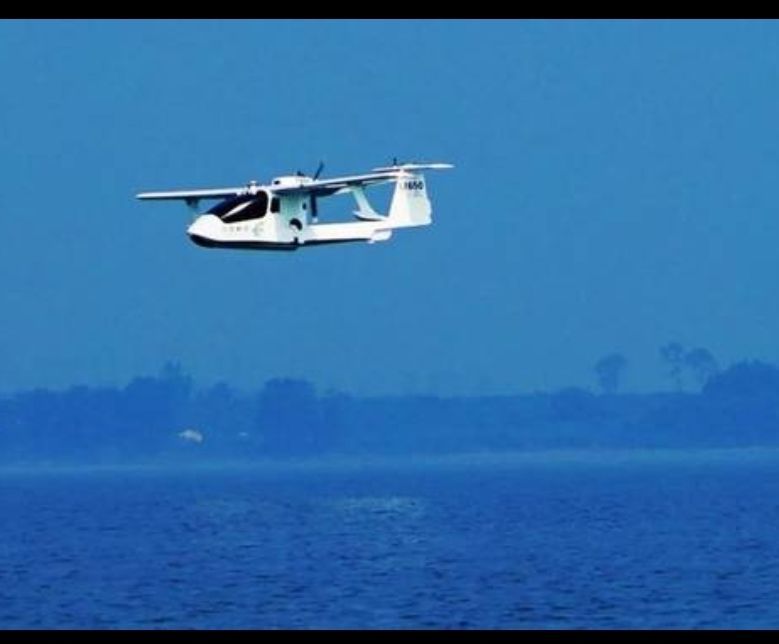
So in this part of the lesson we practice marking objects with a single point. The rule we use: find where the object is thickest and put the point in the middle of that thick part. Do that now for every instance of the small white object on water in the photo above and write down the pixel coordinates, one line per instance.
(191, 435)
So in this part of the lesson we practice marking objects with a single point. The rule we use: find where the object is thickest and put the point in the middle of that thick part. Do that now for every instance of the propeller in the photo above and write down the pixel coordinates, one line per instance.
(314, 208)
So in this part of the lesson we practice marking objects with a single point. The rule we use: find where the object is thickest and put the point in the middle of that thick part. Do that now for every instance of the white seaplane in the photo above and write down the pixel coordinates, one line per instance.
(283, 214)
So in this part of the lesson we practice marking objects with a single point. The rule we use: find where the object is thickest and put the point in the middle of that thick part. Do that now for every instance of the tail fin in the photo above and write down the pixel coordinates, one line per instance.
(410, 205)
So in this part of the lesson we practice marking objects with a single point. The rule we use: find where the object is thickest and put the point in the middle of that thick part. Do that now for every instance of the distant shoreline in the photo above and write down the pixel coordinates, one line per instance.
(551, 457)
(166, 421)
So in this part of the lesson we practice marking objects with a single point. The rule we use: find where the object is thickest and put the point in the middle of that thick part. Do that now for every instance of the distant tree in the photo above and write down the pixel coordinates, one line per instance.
(673, 354)
(289, 417)
(151, 409)
(744, 402)
(702, 364)
(609, 370)
(745, 380)
(226, 417)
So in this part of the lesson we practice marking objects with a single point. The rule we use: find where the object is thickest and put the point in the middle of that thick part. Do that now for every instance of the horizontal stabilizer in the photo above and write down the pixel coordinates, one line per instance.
(415, 166)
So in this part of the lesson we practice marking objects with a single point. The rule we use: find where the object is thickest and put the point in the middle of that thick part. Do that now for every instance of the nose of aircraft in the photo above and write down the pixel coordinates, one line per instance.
(195, 227)
(200, 231)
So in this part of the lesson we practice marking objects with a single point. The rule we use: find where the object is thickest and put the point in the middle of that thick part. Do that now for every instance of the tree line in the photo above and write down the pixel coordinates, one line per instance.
(166, 418)
(698, 364)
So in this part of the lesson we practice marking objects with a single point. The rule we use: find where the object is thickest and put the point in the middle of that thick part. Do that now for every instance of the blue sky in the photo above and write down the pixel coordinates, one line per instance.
(615, 188)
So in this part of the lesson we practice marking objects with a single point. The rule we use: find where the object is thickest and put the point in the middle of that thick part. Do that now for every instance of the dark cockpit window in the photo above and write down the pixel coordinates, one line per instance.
(223, 207)
(274, 204)
(241, 208)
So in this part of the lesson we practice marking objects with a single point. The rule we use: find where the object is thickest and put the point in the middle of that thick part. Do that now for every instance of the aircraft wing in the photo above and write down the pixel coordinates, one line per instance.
(190, 195)
(324, 187)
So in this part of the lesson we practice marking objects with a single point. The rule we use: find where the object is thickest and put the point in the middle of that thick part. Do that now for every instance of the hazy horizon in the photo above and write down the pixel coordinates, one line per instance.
(614, 191)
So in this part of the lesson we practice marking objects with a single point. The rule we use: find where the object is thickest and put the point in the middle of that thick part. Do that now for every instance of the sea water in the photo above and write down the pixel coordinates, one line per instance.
(530, 542)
